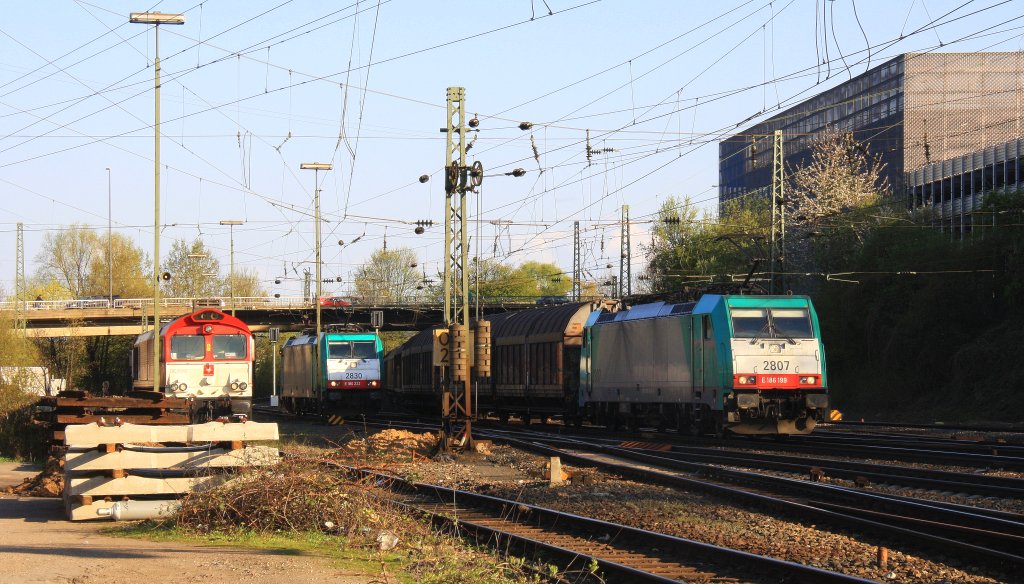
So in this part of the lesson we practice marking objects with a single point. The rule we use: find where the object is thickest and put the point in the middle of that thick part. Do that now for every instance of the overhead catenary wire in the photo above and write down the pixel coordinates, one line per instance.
(556, 166)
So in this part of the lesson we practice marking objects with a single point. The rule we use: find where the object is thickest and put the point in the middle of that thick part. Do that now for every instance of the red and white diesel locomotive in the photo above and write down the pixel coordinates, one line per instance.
(206, 357)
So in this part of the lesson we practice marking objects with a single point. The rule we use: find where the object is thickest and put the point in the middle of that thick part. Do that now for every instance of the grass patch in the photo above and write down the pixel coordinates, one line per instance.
(351, 558)
(305, 506)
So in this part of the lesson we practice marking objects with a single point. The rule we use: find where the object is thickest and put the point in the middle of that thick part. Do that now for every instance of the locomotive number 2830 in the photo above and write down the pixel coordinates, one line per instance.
(776, 365)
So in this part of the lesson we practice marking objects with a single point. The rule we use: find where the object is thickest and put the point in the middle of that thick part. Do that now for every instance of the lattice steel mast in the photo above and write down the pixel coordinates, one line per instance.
(457, 398)
(777, 251)
(625, 271)
(20, 323)
(576, 286)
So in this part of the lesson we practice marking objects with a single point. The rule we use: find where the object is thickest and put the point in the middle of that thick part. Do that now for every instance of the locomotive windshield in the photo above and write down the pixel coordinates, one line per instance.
(351, 350)
(229, 346)
(188, 347)
(791, 322)
(773, 323)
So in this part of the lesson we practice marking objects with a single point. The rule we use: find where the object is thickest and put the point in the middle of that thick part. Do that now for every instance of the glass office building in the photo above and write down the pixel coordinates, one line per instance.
(911, 111)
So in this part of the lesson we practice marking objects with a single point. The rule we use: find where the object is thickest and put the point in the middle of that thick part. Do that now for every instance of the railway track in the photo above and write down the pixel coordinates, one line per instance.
(946, 452)
(966, 531)
(1012, 428)
(816, 469)
(619, 553)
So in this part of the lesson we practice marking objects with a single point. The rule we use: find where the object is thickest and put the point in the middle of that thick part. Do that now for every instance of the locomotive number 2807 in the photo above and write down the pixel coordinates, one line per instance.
(776, 365)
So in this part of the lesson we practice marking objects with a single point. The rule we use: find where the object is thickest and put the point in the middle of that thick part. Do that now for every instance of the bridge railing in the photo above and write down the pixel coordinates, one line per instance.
(242, 303)
(141, 303)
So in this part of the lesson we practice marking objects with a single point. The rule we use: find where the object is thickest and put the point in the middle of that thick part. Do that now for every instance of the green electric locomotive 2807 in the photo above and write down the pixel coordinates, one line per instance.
(749, 364)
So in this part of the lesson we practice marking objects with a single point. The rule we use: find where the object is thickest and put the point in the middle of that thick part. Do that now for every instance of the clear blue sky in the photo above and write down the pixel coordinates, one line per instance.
(656, 81)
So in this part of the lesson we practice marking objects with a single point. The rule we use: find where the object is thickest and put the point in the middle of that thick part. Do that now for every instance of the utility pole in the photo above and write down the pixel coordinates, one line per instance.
(110, 245)
(231, 271)
(576, 285)
(457, 399)
(156, 19)
(625, 273)
(777, 251)
(20, 318)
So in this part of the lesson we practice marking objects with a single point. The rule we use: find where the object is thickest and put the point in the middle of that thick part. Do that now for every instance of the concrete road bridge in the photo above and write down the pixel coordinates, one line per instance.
(130, 317)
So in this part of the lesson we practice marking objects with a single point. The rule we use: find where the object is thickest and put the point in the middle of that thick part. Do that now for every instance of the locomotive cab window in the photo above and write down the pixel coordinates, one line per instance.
(364, 350)
(188, 347)
(774, 323)
(229, 346)
(351, 350)
(791, 322)
(339, 350)
(749, 322)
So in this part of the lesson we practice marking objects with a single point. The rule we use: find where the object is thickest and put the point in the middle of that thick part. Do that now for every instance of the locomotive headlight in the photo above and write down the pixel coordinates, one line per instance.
(743, 380)
(234, 385)
(182, 386)
(373, 383)
(243, 385)
(174, 386)
(808, 380)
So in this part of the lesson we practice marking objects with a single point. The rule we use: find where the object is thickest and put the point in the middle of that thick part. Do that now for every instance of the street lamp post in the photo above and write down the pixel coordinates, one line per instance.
(231, 272)
(317, 167)
(156, 19)
(110, 245)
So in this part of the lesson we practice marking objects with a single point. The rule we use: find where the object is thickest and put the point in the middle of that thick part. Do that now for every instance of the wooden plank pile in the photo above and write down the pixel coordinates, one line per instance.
(104, 465)
(81, 407)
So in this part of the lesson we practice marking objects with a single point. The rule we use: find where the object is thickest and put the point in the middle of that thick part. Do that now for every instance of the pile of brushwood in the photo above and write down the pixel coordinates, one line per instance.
(298, 495)
(313, 494)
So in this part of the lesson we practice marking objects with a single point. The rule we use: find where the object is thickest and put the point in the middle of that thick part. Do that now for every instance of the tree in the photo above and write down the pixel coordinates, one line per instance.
(491, 279)
(836, 198)
(389, 276)
(194, 272)
(541, 279)
(528, 280)
(130, 267)
(19, 437)
(246, 285)
(690, 248)
(73, 262)
(66, 256)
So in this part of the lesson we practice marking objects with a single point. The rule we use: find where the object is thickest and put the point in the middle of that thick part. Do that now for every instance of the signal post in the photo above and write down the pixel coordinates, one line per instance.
(455, 354)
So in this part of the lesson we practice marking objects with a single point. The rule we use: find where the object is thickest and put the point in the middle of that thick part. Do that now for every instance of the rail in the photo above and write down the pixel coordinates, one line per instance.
(621, 553)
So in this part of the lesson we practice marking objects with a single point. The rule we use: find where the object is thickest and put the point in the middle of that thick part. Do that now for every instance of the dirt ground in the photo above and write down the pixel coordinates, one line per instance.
(38, 545)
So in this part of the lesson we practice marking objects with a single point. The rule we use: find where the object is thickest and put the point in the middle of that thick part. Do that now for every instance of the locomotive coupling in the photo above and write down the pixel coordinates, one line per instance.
(817, 400)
